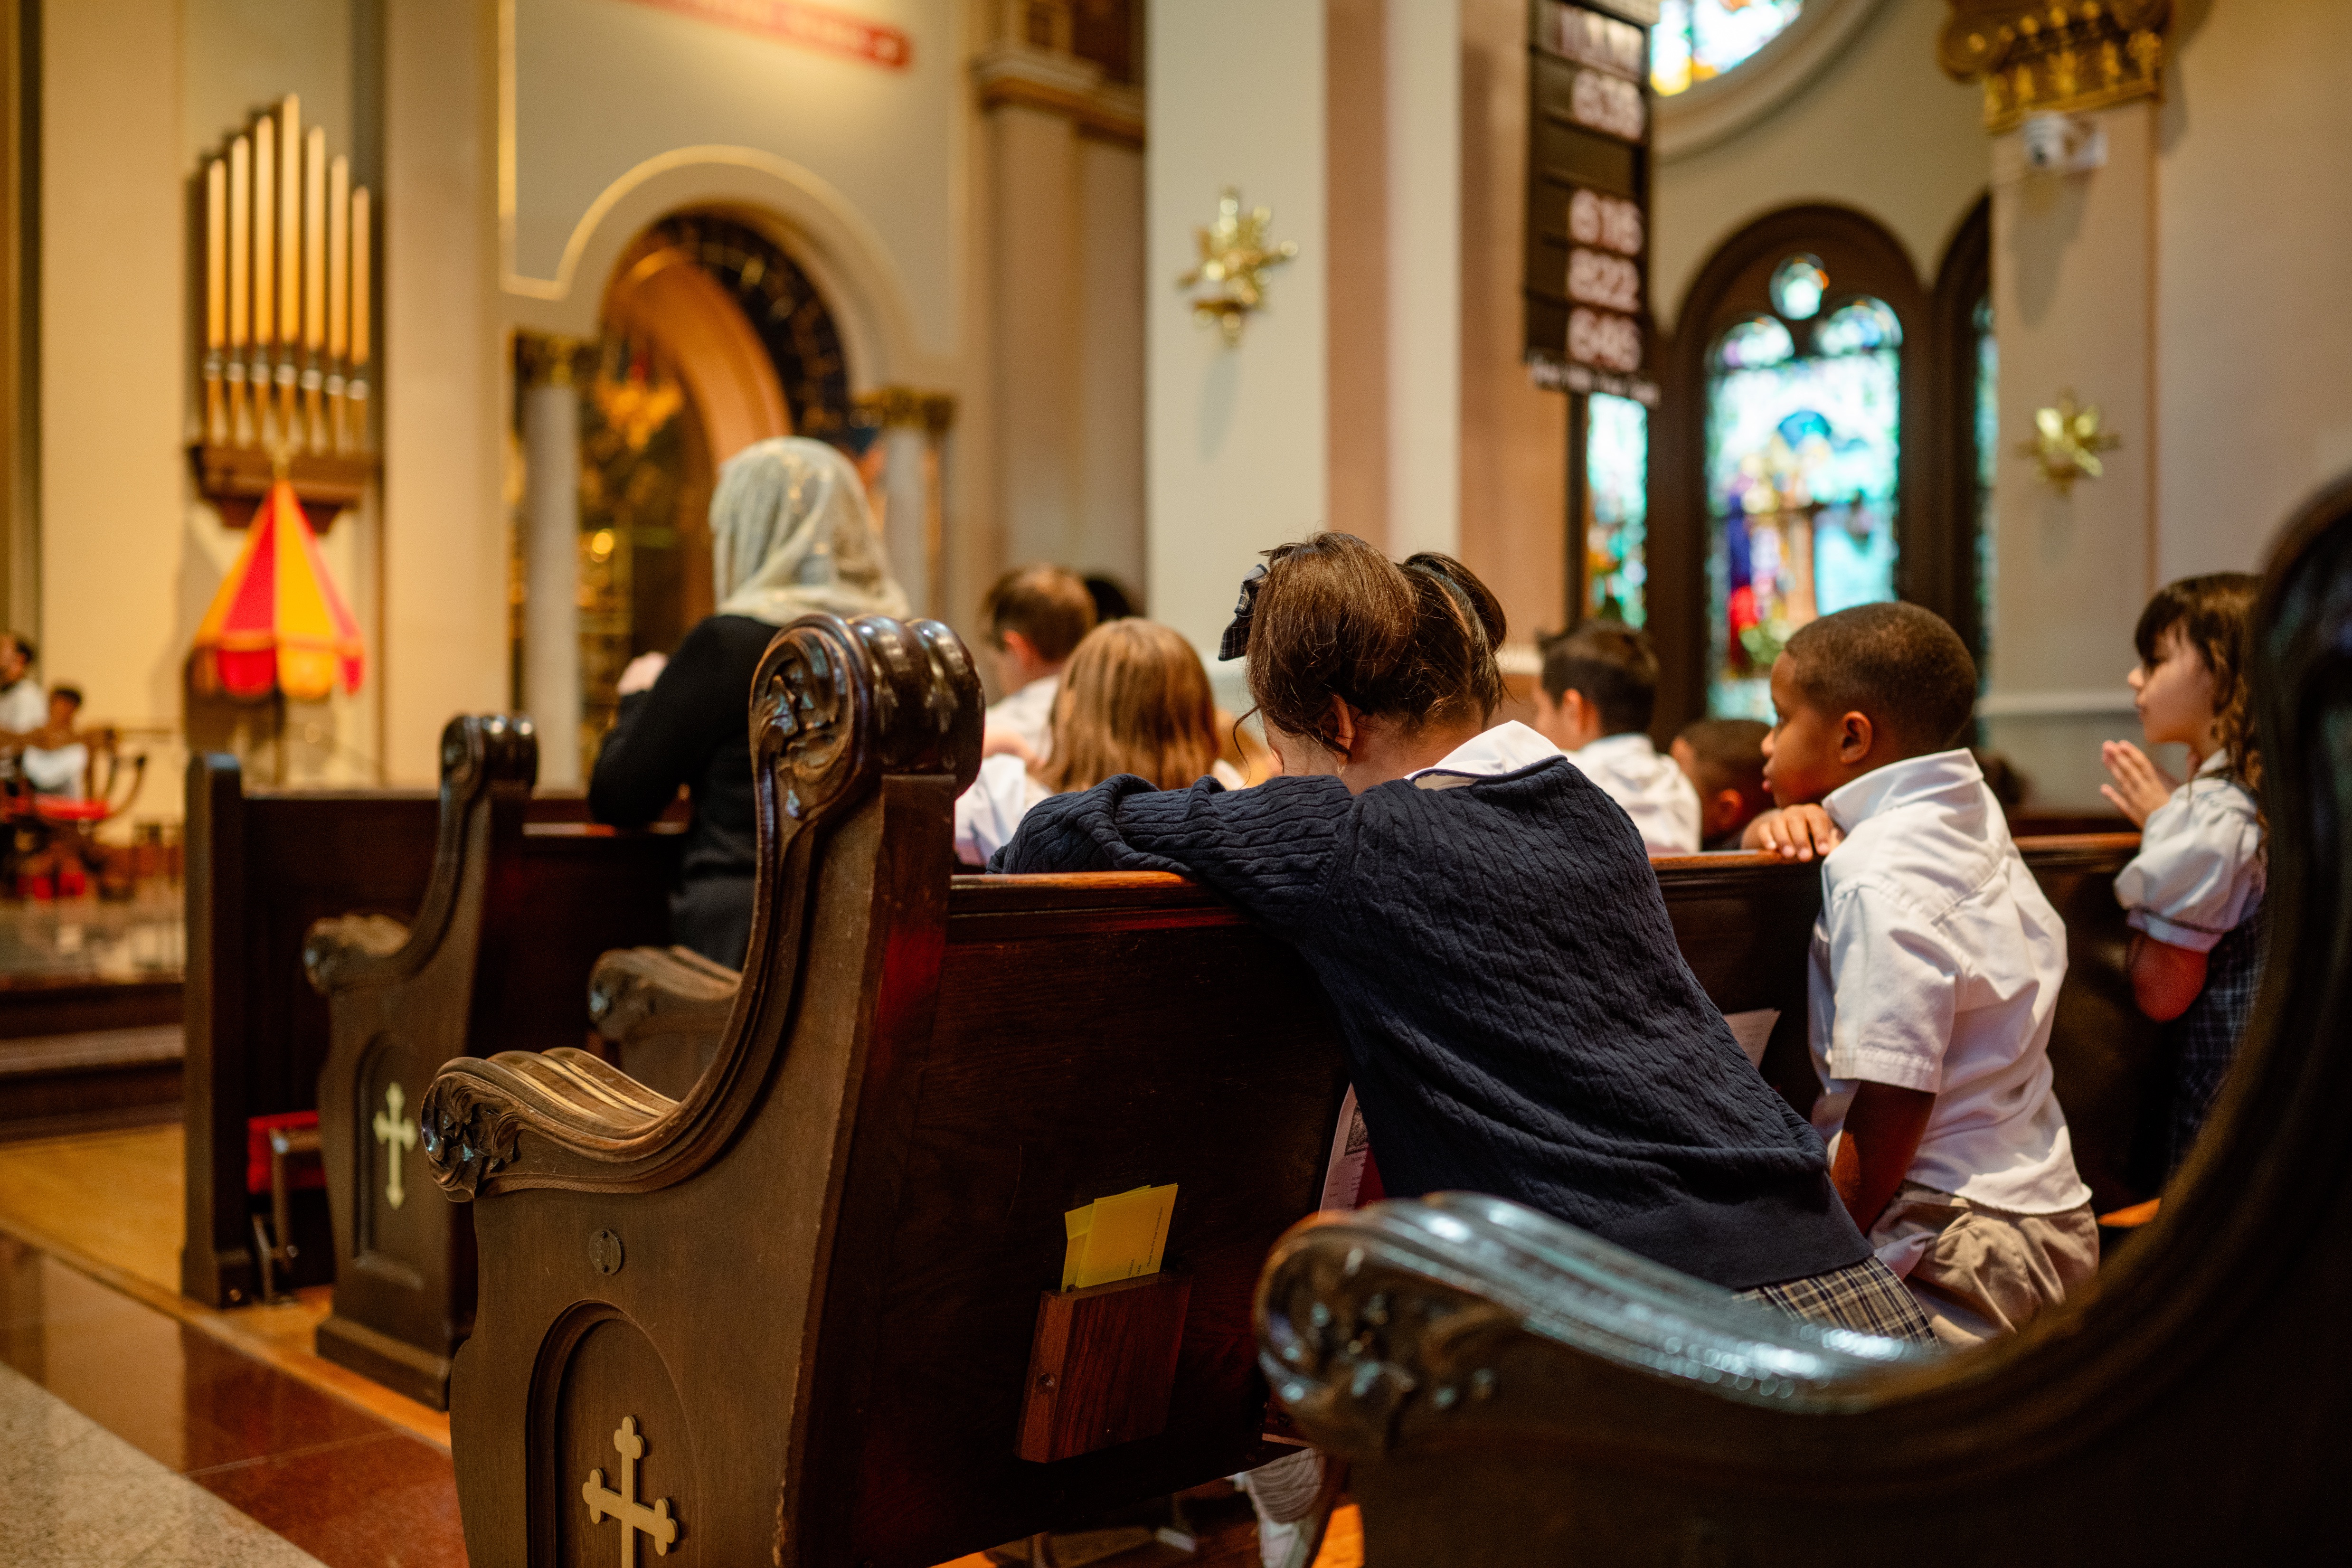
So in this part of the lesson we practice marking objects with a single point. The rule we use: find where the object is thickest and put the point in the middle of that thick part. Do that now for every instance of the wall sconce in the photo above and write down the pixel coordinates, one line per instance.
(2067, 443)
(1236, 255)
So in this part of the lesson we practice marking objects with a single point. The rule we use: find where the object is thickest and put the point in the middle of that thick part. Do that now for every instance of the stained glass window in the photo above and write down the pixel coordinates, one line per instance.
(1801, 464)
(1987, 413)
(1617, 501)
(1695, 39)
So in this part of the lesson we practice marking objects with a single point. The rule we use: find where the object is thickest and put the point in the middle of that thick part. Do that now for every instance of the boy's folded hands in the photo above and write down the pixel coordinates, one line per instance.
(1793, 833)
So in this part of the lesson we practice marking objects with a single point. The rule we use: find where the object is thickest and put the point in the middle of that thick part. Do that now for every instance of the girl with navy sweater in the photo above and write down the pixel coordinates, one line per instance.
(1516, 1016)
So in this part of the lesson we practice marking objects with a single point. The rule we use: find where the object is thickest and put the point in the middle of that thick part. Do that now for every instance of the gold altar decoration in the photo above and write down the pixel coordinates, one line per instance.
(289, 309)
(2066, 444)
(2051, 57)
(1236, 255)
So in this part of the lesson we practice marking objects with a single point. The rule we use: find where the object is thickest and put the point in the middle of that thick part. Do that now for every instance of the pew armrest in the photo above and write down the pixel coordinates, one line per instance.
(637, 992)
(835, 707)
(340, 947)
(1393, 1321)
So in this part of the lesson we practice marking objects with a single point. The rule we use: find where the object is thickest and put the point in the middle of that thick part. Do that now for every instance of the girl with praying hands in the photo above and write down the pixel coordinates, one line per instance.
(789, 535)
(2195, 889)
(1132, 699)
(1516, 1017)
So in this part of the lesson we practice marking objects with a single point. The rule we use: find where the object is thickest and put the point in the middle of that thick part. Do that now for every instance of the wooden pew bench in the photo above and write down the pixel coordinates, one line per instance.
(498, 949)
(262, 868)
(1511, 1391)
(801, 1297)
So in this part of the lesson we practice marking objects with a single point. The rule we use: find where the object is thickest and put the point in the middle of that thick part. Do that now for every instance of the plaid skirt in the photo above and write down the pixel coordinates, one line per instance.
(2204, 1040)
(1866, 1297)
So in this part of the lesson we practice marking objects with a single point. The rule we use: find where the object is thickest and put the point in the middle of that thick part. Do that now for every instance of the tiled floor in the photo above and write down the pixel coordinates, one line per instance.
(233, 1406)
(343, 1485)
(78, 1495)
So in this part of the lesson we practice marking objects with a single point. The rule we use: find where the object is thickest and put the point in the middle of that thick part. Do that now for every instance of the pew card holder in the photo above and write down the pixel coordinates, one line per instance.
(1102, 1367)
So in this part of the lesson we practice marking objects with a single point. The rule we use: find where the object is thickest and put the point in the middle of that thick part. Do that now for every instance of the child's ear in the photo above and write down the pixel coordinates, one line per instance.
(1855, 735)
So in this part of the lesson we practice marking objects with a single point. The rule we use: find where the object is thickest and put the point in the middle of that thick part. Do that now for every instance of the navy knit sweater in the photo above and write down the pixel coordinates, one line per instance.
(1516, 1016)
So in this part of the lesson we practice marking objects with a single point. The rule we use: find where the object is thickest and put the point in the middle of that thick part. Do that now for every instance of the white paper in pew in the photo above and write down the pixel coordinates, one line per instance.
(1752, 1029)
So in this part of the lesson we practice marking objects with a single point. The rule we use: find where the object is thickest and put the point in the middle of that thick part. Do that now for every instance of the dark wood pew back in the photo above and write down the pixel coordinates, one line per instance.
(810, 1288)
(262, 867)
(497, 949)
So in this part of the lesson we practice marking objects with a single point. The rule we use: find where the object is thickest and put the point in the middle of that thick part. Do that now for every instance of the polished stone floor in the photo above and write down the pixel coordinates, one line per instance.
(346, 1486)
(79, 1494)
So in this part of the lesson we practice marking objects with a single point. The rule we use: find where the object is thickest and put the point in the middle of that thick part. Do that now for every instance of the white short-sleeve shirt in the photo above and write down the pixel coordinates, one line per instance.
(2199, 871)
(1936, 966)
(988, 814)
(1653, 789)
(1029, 713)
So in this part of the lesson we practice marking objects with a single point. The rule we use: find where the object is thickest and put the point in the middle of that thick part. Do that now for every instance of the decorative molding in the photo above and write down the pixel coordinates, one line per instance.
(908, 407)
(1012, 73)
(2038, 58)
(552, 359)
(1712, 111)
(2082, 702)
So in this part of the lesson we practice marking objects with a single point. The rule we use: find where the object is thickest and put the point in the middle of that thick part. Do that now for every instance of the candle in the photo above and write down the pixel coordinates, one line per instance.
(361, 224)
(289, 223)
(215, 256)
(265, 248)
(314, 241)
(240, 240)
(339, 256)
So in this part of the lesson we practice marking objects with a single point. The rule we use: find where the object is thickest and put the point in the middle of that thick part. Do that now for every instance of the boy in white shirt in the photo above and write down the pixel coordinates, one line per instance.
(1935, 968)
(1599, 686)
(1036, 617)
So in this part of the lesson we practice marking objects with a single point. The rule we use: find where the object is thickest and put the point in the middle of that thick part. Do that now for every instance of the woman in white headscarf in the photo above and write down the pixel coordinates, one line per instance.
(791, 534)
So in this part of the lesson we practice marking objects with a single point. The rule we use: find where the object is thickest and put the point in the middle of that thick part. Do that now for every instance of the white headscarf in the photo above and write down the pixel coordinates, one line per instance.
(790, 534)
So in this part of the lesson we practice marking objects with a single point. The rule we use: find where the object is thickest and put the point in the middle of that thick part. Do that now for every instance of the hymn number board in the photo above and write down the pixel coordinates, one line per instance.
(1588, 254)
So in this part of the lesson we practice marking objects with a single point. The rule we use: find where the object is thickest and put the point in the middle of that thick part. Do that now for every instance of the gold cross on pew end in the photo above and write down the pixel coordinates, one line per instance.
(397, 1133)
(633, 1517)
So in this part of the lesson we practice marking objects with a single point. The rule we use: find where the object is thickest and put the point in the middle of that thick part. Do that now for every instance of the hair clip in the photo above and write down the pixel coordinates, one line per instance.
(1235, 642)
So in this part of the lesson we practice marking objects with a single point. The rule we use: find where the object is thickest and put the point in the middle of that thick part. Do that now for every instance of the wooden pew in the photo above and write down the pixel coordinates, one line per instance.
(801, 1302)
(262, 867)
(1511, 1391)
(500, 948)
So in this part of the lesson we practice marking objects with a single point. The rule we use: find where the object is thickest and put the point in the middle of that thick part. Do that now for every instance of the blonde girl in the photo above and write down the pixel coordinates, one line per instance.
(1133, 699)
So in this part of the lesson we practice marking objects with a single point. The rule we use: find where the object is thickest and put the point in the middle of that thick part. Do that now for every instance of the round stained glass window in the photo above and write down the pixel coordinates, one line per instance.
(1798, 284)
(1754, 344)
(1858, 328)
(1695, 39)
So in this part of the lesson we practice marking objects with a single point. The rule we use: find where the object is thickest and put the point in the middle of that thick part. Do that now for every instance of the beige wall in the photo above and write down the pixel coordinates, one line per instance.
(1513, 436)
(117, 547)
(2254, 309)
(1880, 129)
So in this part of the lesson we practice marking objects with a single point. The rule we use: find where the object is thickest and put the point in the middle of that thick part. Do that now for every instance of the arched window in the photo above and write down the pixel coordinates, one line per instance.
(1804, 406)
(1695, 39)
(1796, 453)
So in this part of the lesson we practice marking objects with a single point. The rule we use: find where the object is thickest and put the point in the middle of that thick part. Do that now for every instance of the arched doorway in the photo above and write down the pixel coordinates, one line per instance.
(713, 338)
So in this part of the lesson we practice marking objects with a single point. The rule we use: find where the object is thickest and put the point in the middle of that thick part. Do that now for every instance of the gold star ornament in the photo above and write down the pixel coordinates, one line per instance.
(2067, 443)
(1236, 255)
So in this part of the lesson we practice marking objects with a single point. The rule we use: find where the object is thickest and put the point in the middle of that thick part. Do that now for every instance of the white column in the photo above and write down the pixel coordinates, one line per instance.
(2074, 278)
(1237, 433)
(905, 488)
(1424, 275)
(550, 644)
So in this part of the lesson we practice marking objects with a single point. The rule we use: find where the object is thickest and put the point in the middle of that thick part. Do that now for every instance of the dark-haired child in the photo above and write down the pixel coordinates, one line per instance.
(1516, 1017)
(2195, 889)
(1036, 617)
(1936, 967)
(1724, 760)
(1598, 688)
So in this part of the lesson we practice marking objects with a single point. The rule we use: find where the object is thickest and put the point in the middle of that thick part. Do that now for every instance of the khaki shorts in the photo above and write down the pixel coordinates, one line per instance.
(1985, 1272)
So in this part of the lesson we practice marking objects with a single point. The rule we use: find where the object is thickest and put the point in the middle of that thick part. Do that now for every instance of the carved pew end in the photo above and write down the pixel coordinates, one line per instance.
(1102, 1367)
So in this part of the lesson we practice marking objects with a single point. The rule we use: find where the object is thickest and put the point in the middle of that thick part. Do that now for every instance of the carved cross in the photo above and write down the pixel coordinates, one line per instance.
(622, 1505)
(397, 1133)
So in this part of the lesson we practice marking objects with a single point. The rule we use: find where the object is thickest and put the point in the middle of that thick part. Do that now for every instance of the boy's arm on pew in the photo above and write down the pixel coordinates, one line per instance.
(1882, 1132)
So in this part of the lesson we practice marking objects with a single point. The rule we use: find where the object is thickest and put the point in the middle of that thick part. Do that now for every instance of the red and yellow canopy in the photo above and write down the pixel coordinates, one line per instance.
(277, 620)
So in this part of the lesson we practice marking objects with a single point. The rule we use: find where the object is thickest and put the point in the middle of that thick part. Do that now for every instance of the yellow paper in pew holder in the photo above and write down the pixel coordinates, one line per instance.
(1121, 1238)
